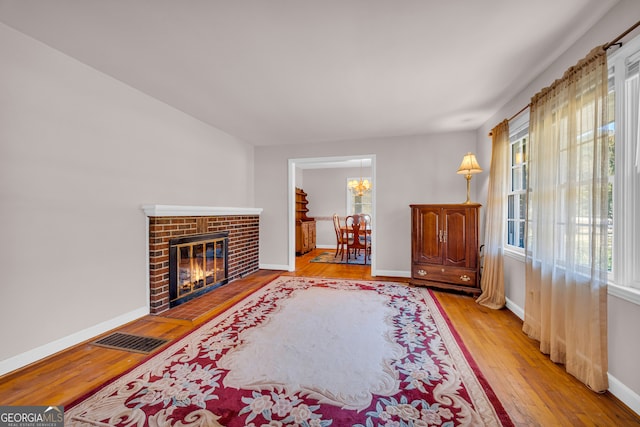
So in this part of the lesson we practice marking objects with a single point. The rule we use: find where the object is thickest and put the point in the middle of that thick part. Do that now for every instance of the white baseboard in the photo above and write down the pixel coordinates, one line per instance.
(38, 353)
(624, 393)
(392, 273)
(282, 267)
(515, 309)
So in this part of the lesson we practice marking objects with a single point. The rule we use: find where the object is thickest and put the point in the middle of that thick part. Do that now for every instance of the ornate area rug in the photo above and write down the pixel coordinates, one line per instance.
(330, 258)
(306, 352)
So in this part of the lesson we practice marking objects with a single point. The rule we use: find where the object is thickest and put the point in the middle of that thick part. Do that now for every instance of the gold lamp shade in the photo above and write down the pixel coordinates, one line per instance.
(468, 167)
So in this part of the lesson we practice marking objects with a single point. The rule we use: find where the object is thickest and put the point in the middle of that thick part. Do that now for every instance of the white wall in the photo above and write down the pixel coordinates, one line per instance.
(623, 315)
(80, 153)
(417, 169)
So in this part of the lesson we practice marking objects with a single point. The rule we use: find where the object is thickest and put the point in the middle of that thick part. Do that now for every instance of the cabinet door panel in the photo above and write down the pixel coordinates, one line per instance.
(461, 244)
(312, 235)
(305, 236)
(455, 246)
(427, 247)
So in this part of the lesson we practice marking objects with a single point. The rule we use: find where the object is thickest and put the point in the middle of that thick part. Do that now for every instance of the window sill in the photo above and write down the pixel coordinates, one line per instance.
(519, 256)
(628, 294)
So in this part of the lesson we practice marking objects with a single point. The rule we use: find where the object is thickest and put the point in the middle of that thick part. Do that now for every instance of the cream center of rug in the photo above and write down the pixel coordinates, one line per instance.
(333, 345)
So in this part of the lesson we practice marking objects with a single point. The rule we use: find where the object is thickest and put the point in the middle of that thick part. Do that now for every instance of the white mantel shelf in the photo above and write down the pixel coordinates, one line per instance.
(176, 210)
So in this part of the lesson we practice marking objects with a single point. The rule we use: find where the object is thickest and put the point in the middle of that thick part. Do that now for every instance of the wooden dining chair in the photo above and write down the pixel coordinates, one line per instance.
(341, 237)
(357, 239)
(366, 219)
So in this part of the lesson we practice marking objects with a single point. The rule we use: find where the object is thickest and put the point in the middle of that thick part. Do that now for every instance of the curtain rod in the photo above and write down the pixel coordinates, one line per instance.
(614, 42)
(514, 116)
(518, 113)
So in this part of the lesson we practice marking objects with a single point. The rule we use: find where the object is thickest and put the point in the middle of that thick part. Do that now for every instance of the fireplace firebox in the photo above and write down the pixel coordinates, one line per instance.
(197, 264)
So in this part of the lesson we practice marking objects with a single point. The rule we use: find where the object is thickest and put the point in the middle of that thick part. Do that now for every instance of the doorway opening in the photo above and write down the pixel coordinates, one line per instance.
(326, 163)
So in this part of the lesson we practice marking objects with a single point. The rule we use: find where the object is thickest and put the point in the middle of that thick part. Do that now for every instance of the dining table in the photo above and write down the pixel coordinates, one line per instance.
(346, 230)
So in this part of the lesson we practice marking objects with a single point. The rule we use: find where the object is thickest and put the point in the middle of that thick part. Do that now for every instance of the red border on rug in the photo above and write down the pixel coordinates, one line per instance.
(500, 411)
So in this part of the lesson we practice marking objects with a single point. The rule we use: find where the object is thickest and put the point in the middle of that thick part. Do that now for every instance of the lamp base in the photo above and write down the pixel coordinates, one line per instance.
(468, 201)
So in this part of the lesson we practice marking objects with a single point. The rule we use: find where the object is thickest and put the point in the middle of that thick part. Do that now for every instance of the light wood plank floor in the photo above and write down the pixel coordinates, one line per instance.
(533, 390)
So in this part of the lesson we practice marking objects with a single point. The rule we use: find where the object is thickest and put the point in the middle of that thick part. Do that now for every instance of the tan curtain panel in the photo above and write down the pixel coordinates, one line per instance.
(566, 241)
(492, 282)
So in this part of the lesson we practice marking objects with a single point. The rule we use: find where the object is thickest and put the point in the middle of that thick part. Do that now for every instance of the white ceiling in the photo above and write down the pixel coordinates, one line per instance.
(303, 71)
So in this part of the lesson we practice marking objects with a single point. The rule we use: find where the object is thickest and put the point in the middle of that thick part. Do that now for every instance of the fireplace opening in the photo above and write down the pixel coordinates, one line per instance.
(197, 265)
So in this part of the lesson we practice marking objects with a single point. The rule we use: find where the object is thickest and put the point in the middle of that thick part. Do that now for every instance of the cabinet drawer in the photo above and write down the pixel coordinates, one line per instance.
(442, 273)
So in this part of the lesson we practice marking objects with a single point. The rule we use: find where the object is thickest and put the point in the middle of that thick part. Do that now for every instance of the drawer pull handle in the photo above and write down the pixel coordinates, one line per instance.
(422, 272)
(465, 278)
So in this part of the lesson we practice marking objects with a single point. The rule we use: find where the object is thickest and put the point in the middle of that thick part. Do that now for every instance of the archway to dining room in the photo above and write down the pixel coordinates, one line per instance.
(298, 165)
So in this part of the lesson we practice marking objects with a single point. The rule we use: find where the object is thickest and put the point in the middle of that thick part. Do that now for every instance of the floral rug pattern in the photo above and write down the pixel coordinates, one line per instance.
(183, 386)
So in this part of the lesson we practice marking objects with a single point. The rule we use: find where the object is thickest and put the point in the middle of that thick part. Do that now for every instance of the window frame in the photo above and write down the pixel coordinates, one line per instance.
(516, 126)
(624, 282)
(624, 187)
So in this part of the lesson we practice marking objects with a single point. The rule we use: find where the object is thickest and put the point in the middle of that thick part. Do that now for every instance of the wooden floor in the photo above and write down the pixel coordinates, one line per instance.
(533, 390)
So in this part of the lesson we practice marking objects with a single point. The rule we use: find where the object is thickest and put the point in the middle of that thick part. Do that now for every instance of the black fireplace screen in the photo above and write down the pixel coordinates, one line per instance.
(197, 264)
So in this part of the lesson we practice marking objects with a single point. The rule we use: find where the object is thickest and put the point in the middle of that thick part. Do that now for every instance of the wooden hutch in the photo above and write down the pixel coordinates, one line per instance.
(305, 226)
(444, 246)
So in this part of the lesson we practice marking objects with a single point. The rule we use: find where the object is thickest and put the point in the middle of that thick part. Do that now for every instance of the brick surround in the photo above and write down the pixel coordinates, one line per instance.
(243, 247)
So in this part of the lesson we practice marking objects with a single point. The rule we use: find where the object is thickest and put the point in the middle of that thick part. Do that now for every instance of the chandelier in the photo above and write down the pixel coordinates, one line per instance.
(359, 187)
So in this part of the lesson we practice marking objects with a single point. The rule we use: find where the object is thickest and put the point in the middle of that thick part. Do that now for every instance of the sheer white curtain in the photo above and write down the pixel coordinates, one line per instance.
(566, 244)
(492, 282)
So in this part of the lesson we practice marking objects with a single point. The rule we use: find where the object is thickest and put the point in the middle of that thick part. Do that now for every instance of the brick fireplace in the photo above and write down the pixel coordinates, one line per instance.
(171, 222)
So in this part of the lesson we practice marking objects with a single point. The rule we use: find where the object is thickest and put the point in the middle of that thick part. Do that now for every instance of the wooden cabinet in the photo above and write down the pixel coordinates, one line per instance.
(305, 237)
(305, 226)
(444, 246)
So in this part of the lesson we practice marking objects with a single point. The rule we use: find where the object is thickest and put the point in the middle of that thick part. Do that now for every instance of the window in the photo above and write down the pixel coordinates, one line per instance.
(358, 203)
(612, 169)
(517, 185)
(624, 218)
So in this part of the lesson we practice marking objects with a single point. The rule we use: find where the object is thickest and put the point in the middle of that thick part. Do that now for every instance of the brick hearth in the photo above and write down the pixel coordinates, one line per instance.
(243, 245)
